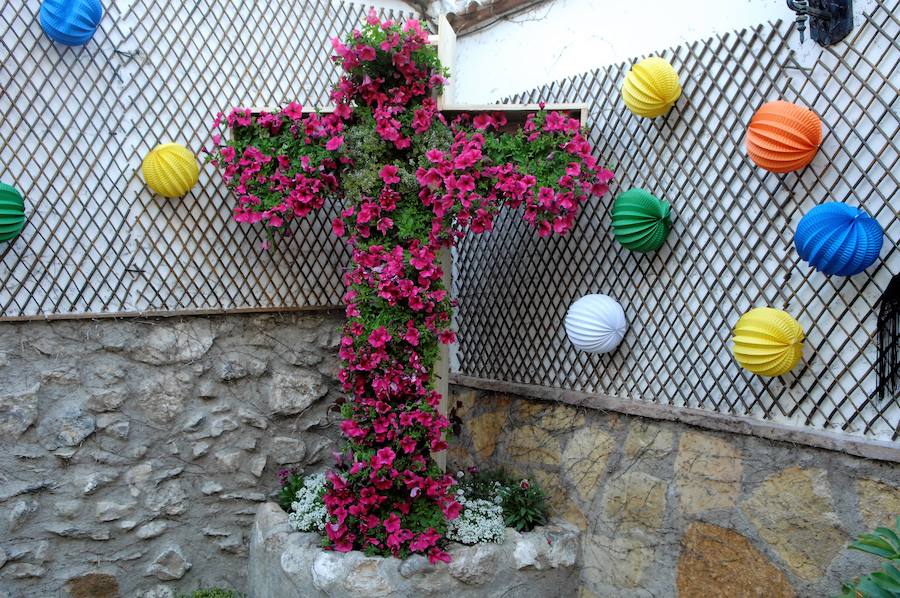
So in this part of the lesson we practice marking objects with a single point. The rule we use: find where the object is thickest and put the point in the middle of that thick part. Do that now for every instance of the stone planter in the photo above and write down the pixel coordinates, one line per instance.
(288, 564)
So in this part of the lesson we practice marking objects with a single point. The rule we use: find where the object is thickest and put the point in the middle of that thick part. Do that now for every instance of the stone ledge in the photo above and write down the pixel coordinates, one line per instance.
(858, 446)
(288, 564)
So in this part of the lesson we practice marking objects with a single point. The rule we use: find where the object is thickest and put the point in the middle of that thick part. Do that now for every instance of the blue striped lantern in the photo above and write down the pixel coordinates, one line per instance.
(838, 239)
(71, 22)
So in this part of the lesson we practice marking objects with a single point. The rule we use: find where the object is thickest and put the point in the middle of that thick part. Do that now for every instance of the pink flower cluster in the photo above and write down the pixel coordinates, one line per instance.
(275, 188)
(465, 189)
(388, 90)
(387, 494)
(394, 424)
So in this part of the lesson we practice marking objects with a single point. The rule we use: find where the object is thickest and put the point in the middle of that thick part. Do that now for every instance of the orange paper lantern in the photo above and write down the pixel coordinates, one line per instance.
(783, 137)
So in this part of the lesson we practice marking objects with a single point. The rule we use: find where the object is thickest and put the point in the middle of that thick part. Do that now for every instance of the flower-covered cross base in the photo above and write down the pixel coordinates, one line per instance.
(412, 183)
(542, 560)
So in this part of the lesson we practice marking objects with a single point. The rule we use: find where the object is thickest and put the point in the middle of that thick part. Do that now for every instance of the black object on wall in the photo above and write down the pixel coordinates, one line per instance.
(888, 366)
(830, 21)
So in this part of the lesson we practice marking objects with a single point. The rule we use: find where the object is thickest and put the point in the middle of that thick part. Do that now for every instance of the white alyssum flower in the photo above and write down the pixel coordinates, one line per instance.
(480, 521)
(308, 510)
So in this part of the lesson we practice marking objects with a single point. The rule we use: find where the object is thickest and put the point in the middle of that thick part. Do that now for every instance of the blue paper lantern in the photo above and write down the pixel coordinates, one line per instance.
(71, 22)
(838, 239)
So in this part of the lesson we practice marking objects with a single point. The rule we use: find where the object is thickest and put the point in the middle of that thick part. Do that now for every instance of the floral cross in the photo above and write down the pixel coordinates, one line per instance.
(412, 184)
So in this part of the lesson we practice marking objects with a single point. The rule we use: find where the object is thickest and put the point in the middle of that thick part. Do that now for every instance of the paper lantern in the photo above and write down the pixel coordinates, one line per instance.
(838, 239)
(651, 87)
(170, 170)
(70, 22)
(783, 137)
(768, 341)
(12, 212)
(640, 221)
(596, 324)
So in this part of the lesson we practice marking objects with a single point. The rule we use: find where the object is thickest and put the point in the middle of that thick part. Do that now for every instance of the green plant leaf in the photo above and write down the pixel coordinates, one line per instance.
(886, 581)
(871, 589)
(878, 548)
(889, 536)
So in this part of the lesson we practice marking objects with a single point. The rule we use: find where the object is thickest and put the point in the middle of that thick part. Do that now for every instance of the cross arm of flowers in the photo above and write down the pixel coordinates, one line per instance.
(410, 184)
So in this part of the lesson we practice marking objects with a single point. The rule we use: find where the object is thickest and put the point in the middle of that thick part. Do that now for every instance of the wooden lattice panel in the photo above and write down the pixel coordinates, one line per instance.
(76, 122)
(730, 248)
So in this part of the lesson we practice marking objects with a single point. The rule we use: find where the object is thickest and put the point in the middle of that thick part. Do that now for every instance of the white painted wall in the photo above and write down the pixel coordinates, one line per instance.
(566, 37)
(391, 4)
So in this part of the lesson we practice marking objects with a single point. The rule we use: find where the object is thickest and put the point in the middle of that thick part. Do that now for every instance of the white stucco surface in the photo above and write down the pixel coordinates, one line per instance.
(565, 37)
(390, 4)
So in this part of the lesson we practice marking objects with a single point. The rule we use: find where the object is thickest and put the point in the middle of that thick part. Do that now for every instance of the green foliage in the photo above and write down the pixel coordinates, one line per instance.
(524, 503)
(382, 66)
(484, 485)
(541, 157)
(524, 506)
(289, 490)
(884, 543)
(369, 153)
(212, 593)
(284, 143)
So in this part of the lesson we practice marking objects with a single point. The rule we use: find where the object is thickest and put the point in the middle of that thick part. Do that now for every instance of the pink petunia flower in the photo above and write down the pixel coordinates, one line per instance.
(293, 111)
(392, 523)
(366, 53)
(334, 143)
(379, 337)
(388, 174)
(408, 444)
(383, 458)
(337, 226)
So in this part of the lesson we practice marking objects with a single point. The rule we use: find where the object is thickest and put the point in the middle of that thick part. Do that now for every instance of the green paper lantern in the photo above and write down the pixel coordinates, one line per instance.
(12, 212)
(640, 221)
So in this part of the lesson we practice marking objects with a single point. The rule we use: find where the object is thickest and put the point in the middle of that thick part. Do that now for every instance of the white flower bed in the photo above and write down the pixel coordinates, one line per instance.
(480, 520)
(308, 512)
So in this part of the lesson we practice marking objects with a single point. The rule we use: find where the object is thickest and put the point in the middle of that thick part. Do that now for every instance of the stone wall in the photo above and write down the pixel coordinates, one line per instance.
(667, 509)
(133, 453)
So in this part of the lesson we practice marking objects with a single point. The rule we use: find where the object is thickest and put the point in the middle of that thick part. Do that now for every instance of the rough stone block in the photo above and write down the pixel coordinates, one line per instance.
(17, 413)
(290, 565)
(635, 500)
(293, 392)
(716, 562)
(879, 503)
(68, 427)
(585, 458)
(93, 585)
(793, 511)
(169, 565)
(708, 473)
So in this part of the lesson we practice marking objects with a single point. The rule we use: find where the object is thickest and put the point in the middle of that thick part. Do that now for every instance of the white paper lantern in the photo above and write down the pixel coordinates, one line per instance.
(596, 324)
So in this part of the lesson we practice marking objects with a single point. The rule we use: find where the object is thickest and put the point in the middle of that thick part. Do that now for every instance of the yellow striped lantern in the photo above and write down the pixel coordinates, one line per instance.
(170, 170)
(768, 341)
(651, 87)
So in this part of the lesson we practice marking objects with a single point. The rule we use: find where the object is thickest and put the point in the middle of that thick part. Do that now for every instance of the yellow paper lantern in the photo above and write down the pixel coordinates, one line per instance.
(651, 87)
(768, 341)
(170, 169)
